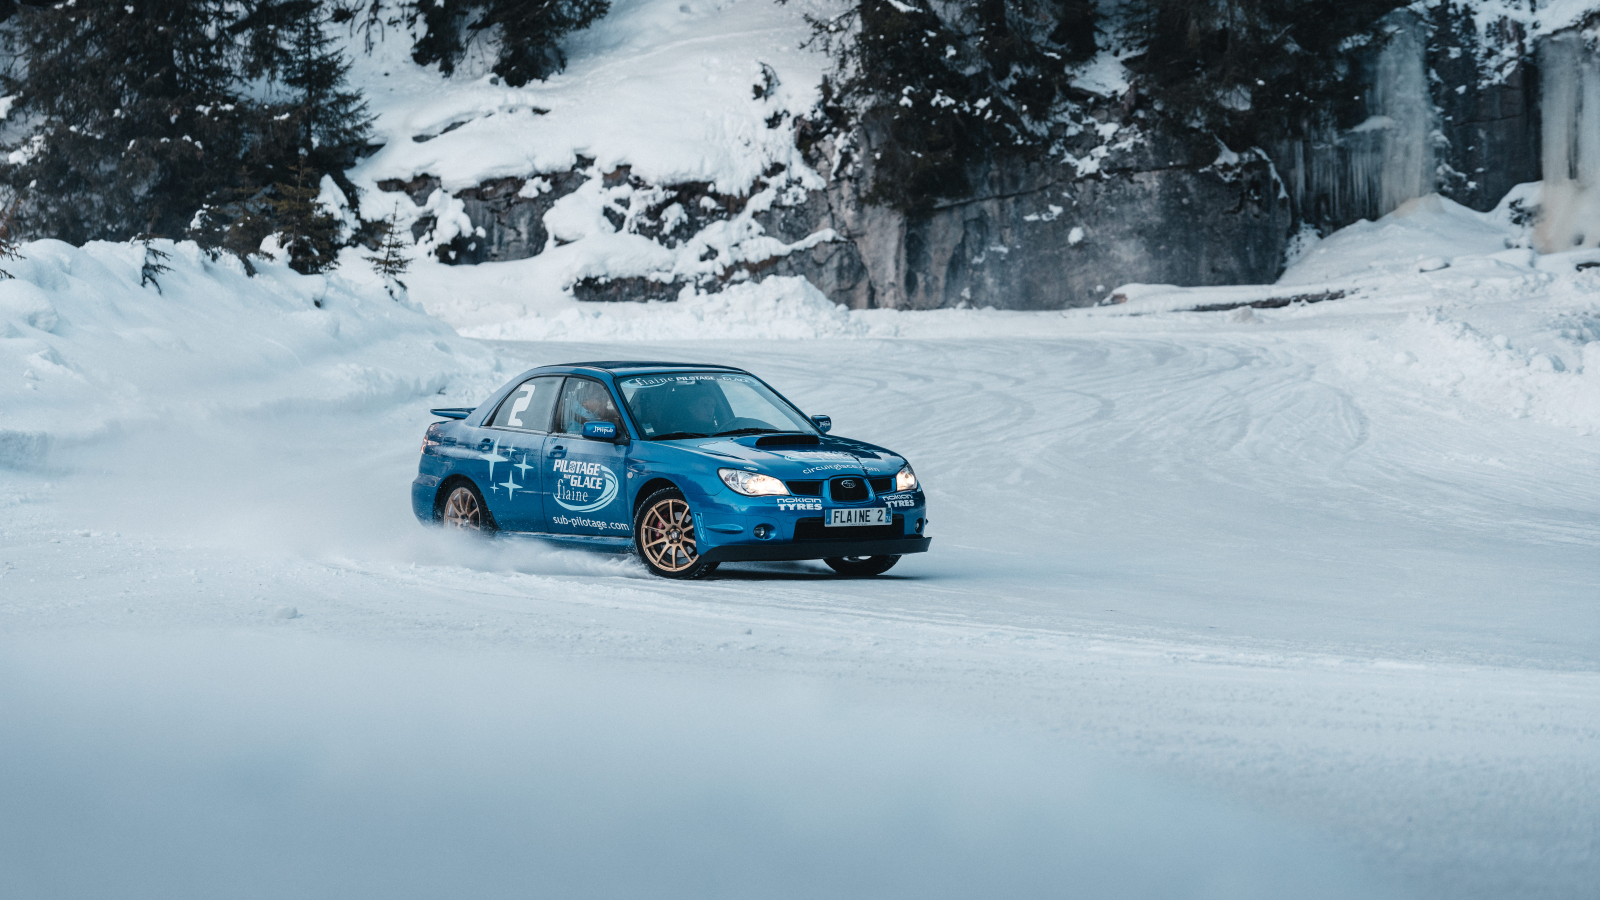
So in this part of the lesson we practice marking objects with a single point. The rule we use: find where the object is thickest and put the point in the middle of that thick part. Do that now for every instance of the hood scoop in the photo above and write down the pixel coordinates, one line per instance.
(788, 440)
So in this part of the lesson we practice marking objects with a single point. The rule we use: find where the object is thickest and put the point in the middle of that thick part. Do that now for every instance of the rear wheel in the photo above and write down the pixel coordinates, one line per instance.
(861, 566)
(463, 508)
(663, 533)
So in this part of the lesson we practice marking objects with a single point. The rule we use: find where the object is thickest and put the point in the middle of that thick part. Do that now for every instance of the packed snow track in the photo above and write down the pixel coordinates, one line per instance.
(1331, 609)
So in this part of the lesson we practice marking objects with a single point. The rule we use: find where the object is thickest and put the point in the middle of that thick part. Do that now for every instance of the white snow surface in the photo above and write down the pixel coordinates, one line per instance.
(663, 87)
(1286, 602)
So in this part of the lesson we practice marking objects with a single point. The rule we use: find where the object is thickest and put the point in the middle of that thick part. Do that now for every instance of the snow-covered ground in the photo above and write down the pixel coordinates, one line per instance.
(1278, 602)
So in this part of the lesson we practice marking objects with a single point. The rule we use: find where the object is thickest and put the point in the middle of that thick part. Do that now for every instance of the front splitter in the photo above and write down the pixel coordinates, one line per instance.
(816, 550)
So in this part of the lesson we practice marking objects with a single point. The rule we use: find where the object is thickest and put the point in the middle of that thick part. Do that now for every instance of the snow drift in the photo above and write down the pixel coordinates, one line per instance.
(91, 341)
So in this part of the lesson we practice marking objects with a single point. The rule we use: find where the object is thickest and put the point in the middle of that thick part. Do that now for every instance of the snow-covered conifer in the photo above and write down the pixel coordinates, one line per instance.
(527, 32)
(305, 229)
(390, 262)
(940, 86)
(1252, 71)
(134, 116)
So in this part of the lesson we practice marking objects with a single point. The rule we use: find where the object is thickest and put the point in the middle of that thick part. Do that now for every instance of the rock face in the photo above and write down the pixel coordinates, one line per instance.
(1061, 232)
(1491, 131)
(1039, 236)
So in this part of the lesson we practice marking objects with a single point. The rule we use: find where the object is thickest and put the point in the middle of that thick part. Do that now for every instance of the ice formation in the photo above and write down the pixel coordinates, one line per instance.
(1386, 160)
(1570, 201)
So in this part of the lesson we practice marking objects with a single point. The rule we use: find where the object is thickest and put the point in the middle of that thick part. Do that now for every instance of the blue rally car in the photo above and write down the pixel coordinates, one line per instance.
(696, 465)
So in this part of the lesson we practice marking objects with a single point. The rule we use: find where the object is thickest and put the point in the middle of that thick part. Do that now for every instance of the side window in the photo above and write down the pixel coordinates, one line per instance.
(583, 401)
(529, 404)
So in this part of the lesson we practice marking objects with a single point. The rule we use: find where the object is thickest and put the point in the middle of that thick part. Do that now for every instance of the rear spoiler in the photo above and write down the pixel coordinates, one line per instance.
(452, 412)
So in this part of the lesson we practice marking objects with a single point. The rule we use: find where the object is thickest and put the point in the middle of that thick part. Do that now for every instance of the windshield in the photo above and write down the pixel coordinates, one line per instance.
(707, 404)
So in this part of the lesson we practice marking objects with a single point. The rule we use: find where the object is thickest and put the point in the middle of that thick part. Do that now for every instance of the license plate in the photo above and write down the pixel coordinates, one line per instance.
(867, 515)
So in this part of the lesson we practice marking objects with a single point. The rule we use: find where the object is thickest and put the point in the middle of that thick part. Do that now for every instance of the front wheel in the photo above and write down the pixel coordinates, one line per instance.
(861, 566)
(663, 533)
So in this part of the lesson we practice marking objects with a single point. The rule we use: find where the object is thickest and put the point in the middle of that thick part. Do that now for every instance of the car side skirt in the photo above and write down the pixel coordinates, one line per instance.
(816, 550)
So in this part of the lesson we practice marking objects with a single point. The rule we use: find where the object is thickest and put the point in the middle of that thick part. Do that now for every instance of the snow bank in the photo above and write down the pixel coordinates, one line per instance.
(85, 348)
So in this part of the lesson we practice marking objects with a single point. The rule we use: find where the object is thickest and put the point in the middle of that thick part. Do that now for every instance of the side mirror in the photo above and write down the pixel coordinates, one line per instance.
(824, 423)
(600, 431)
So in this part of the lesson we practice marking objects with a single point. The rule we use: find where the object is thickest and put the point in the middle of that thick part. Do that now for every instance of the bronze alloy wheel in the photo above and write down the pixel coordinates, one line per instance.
(464, 509)
(664, 535)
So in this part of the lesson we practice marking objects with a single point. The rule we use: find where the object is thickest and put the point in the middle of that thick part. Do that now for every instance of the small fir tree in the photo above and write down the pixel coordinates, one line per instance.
(152, 265)
(390, 262)
(306, 232)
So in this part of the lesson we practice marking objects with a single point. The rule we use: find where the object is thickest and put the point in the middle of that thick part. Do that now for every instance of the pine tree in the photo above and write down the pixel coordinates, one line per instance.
(10, 247)
(442, 25)
(235, 219)
(528, 32)
(306, 232)
(137, 115)
(333, 121)
(1252, 71)
(943, 86)
(318, 126)
(390, 261)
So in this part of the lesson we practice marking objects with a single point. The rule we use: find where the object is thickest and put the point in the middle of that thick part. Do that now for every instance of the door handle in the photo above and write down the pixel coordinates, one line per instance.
(558, 452)
(485, 444)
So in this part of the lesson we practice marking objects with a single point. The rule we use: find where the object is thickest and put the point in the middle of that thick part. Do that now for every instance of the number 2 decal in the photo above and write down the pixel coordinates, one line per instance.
(519, 405)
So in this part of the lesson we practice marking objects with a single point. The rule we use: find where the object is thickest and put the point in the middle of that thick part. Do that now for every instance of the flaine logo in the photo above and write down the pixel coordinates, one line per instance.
(583, 486)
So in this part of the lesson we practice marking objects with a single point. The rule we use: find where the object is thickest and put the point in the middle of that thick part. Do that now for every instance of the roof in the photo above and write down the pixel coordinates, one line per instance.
(615, 365)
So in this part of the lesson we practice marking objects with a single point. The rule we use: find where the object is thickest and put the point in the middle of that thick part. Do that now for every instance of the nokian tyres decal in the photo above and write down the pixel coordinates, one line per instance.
(583, 486)
(812, 505)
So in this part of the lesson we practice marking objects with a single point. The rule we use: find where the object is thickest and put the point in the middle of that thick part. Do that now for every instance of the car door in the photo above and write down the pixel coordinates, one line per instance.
(583, 478)
(512, 441)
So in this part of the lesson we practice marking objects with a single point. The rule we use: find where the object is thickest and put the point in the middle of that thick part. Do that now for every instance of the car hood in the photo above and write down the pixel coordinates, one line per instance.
(791, 462)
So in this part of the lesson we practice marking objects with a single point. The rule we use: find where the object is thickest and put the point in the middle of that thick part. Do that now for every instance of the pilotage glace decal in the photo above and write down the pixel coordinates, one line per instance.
(583, 486)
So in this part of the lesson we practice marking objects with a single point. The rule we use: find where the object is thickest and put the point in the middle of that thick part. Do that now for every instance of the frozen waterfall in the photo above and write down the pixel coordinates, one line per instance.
(1386, 160)
(1569, 207)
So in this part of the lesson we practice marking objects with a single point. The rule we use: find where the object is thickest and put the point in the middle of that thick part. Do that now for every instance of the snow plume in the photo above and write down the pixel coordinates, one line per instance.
(1570, 202)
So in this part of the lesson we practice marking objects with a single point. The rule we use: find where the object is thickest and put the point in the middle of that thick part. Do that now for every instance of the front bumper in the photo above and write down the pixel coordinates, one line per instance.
(771, 552)
(726, 526)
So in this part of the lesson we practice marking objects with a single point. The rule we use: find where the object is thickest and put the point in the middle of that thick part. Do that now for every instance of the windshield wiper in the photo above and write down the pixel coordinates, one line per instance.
(677, 435)
(739, 431)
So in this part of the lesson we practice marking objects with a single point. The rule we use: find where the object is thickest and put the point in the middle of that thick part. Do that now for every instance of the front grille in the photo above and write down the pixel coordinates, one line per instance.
(849, 489)
(882, 485)
(805, 488)
(812, 529)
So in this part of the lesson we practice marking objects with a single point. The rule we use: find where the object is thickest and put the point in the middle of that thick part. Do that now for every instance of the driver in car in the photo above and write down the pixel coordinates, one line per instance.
(593, 405)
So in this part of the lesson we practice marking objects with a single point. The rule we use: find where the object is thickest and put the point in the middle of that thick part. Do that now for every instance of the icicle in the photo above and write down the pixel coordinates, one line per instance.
(1388, 159)
(1404, 166)
(1569, 203)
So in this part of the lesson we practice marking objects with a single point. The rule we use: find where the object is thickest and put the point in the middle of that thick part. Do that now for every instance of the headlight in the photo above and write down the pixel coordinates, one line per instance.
(752, 484)
(905, 479)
